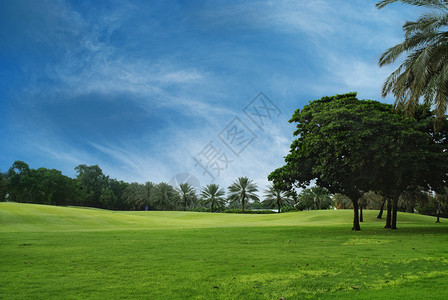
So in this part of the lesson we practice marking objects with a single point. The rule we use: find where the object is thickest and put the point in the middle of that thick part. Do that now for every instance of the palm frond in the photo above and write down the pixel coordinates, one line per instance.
(426, 3)
(422, 75)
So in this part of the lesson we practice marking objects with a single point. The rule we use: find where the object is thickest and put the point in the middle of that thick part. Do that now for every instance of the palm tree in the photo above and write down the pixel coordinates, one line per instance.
(164, 196)
(137, 195)
(146, 192)
(315, 197)
(243, 189)
(424, 73)
(212, 194)
(277, 197)
(187, 193)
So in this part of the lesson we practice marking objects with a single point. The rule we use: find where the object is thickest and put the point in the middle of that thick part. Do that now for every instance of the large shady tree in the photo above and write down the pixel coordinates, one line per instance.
(351, 146)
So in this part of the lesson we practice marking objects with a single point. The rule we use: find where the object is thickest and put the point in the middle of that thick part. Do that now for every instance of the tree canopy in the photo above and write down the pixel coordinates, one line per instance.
(351, 146)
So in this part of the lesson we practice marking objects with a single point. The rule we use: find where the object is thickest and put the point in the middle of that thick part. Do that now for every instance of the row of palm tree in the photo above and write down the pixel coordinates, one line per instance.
(243, 190)
(160, 196)
(240, 194)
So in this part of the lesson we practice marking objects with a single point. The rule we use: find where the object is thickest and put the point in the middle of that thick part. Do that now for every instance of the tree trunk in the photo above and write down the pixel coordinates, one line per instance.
(438, 211)
(356, 225)
(380, 215)
(242, 203)
(389, 213)
(361, 218)
(394, 213)
(278, 204)
(185, 204)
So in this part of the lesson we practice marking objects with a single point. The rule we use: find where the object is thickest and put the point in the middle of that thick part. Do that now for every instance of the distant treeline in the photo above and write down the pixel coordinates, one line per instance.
(93, 188)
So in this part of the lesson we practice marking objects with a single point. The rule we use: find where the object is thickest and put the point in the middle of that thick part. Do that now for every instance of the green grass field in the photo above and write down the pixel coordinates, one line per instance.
(79, 253)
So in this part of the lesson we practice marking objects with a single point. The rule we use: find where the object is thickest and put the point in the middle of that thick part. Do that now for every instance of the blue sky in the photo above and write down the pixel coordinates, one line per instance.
(150, 89)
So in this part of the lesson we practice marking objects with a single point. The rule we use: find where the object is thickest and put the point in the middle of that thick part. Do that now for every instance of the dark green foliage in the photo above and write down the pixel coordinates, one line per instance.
(255, 205)
(349, 146)
(3, 187)
(114, 201)
(92, 181)
(288, 209)
(43, 186)
(51, 187)
(19, 182)
(91, 188)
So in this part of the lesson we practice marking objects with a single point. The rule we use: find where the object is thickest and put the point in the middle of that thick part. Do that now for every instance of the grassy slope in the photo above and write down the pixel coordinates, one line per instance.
(31, 217)
(56, 252)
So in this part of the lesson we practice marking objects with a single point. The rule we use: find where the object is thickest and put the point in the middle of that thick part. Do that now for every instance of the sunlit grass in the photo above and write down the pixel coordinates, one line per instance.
(74, 253)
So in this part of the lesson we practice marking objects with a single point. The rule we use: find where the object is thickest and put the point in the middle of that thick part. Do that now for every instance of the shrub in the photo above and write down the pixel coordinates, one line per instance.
(288, 209)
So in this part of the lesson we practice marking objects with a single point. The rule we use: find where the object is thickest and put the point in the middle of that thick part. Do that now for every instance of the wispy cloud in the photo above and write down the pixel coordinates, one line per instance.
(141, 87)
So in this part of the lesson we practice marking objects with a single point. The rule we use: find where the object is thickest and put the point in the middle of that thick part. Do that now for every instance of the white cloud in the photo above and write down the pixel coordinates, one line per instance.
(345, 39)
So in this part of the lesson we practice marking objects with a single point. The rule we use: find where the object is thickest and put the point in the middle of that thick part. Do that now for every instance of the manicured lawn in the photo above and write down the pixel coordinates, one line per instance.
(73, 253)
